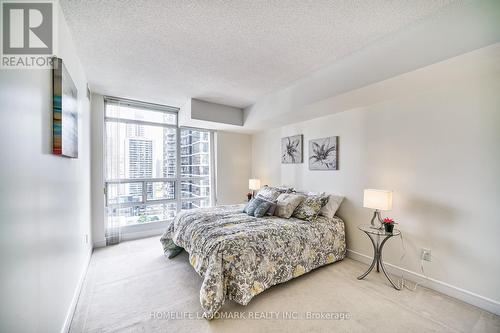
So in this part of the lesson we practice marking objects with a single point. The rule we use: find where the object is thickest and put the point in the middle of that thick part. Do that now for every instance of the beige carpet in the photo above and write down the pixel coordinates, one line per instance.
(131, 287)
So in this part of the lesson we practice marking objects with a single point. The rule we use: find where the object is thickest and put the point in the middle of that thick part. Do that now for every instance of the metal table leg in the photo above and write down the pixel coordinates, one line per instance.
(382, 263)
(377, 259)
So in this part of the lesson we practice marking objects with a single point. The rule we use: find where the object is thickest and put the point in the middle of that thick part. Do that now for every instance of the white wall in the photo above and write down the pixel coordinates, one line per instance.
(233, 153)
(44, 199)
(432, 136)
(212, 116)
(469, 26)
(214, 112)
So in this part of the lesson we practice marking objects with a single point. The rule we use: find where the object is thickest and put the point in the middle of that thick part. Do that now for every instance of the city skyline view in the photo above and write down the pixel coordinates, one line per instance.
(141, 166)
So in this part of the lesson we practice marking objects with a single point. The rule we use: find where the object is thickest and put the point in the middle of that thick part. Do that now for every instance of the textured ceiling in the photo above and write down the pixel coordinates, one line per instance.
(229, 52)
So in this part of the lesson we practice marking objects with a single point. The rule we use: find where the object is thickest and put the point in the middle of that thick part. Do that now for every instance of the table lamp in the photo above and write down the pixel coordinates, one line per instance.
(254, 184)
(378, 200)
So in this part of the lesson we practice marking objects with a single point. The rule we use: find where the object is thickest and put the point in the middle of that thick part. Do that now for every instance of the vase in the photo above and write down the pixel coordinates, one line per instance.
(389, 227)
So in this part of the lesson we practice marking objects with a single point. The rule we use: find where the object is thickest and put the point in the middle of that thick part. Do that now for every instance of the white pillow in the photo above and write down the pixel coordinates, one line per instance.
(333, 204)
(268, 192)
(287, 202)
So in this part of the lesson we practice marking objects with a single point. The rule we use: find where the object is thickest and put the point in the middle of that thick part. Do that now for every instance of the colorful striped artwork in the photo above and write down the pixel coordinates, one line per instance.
(65, 112)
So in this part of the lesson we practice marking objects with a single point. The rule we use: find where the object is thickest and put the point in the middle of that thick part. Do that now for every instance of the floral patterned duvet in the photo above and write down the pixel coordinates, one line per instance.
(240, 256)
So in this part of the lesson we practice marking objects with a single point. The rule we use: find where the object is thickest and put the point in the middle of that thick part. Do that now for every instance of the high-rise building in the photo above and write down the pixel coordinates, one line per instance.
(140, 163)
(169, 152)
(135, 130)
(195, 163)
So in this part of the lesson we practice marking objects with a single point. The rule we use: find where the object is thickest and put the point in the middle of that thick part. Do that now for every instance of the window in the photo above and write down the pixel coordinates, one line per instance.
(153, 168)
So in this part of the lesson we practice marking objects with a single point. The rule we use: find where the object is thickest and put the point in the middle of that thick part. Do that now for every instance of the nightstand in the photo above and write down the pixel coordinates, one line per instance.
(377, 249)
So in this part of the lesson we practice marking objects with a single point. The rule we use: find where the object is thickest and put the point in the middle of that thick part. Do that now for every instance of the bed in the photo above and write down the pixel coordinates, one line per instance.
(239, 256)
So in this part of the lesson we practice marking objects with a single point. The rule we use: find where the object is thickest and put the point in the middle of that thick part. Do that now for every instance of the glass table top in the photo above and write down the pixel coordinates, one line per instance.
(380, 232)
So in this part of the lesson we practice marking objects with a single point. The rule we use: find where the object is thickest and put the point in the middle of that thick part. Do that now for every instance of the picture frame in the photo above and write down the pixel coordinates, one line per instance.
(292, 149)
(323, 153)
(64, 112)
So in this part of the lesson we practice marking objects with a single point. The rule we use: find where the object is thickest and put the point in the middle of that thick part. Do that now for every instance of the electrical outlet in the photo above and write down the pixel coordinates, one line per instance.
(426, 255)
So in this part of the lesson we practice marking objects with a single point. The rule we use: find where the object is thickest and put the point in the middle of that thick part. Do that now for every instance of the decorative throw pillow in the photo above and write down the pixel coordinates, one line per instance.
(287, 202)
(254, 203)
(262, 209)
(300, 192)
(171, 249)
(270, 193)
(174, 252)
(272, 207)
(284, 189)
(331, 207)
(245, 209)
(333, 204)
(310, 207)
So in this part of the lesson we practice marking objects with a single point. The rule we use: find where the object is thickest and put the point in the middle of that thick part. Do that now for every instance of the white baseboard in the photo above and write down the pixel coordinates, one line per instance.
(141, 234)
(482, 302)
(136, 232)
(76, 295)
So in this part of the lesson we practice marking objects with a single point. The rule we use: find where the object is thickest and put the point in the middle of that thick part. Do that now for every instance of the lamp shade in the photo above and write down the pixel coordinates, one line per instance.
(254, 184)
(377, 199)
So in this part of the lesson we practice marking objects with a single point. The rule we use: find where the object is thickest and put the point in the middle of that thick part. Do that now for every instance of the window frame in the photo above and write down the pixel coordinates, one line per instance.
(177, 179)
(144, 200)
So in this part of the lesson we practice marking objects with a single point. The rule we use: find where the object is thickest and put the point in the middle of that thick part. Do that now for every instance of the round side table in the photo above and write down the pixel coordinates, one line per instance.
(377, 249)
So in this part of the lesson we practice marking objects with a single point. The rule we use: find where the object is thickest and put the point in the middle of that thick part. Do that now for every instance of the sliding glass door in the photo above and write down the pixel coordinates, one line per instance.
(153, 168)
